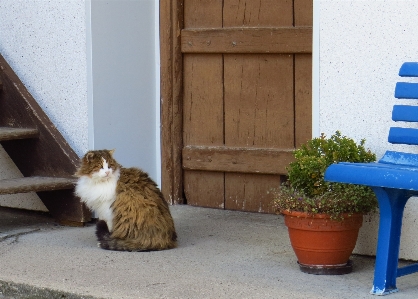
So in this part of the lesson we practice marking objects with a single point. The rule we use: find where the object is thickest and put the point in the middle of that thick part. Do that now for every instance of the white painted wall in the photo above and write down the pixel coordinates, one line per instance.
(45, 43)
(361, 47)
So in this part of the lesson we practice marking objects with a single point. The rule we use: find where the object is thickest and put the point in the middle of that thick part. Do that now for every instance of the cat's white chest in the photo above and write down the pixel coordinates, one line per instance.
(98, 196)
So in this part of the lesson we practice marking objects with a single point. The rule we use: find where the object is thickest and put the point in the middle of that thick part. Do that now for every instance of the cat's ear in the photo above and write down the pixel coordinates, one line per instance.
(111, 152)
(89, 156)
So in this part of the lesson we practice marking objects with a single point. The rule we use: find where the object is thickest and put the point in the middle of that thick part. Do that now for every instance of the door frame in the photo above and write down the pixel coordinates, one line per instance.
(171, 76)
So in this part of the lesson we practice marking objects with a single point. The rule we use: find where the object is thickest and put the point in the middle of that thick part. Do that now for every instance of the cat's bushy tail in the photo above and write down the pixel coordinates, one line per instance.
(107, 242)
(105, 239)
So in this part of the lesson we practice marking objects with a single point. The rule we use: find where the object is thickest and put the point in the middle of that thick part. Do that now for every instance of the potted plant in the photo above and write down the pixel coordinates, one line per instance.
(324, 218)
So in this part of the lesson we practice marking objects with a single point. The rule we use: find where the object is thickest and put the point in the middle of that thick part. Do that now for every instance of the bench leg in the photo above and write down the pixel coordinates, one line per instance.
(391, 205)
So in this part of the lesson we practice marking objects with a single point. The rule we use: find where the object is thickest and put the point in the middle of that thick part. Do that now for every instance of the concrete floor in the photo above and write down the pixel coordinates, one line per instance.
(221, 254)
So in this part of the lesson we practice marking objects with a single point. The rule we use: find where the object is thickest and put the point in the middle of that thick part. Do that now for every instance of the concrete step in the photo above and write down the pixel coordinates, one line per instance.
(36, 184)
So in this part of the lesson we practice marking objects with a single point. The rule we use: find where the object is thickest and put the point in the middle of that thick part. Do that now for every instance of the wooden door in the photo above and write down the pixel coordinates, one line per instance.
(242, 98)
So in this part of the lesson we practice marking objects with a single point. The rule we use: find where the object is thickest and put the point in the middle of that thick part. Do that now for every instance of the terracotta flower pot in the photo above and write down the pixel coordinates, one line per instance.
(322, 245)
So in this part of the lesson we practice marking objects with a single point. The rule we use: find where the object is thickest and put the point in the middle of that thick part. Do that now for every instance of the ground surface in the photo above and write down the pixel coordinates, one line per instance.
(221, 254)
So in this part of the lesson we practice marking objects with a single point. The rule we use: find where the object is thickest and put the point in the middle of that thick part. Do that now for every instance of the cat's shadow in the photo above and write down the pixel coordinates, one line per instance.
(192, 234)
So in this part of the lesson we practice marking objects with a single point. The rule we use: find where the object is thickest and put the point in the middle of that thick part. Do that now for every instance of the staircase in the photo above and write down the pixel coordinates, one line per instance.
(39, 151)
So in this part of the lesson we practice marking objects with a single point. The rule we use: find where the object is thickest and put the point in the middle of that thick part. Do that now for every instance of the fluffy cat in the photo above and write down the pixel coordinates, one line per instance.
(133, 215)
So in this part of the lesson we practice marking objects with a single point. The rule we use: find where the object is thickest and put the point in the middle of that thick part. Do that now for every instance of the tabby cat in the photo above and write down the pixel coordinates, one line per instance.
(132, 212)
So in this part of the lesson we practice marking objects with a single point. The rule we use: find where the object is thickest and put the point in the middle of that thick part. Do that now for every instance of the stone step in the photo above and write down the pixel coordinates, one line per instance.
(36, 184)
(7, 133)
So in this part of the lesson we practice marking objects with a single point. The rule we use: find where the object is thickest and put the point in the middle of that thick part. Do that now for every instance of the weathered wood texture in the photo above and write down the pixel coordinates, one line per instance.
(303, 13)
(203, 120)
(247, 40)
(35, 184)
(246, 97)
(17, 133)
(244, 160)
(203, 124)
(48, 155)
(171, 21)
(303, 98)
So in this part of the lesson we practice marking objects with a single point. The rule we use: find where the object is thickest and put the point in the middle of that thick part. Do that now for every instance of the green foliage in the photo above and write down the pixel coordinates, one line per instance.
(306, 189)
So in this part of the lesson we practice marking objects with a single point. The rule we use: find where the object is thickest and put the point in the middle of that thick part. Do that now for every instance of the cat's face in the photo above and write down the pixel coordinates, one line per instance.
(98, 165)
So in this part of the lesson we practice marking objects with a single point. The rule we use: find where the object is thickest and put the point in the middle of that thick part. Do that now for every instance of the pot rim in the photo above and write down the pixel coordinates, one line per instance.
(300, 214)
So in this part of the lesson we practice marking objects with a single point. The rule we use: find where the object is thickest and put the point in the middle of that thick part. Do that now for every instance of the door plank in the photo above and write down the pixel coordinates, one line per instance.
(198, 13)
(247, 40)
(228, 159)
(204, 189)
(258, 13)
(203, 100)
(303, 98)
(303, 12)
(303, 78)
(259, 108)
(259, 113)
(253, 193)
(203, 105)
(203, 124)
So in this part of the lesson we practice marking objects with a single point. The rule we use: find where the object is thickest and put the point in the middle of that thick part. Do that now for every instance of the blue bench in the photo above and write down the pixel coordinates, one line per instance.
(394, 179)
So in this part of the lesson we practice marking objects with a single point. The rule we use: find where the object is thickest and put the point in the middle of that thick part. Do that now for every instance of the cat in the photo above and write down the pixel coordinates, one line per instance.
(132, 212)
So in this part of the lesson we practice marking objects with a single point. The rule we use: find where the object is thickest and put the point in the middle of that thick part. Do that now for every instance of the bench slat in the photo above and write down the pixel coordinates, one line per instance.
(374, 175)
(409, 69)
(405, 113)
(406, 90)
(403, 136)
(399, 158)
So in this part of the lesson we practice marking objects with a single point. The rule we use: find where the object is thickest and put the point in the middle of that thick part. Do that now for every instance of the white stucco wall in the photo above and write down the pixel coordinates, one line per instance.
(45, 43)
(362, 45)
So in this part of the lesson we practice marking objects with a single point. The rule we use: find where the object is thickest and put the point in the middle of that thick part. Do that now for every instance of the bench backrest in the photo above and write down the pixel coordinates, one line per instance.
(405, 113)
(408, 113)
